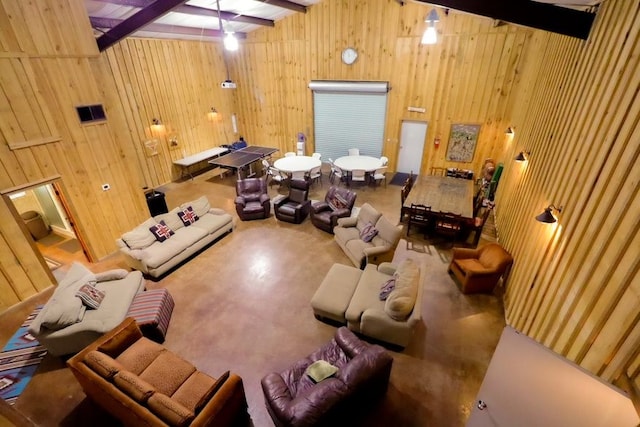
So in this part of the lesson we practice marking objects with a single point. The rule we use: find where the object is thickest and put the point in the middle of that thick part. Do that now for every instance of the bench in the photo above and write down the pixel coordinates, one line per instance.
(191, 160)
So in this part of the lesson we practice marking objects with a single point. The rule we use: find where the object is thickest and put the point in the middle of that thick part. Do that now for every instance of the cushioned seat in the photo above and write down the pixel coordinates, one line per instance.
(295, 207)
(338, 203)
(294, 399)
(478, 270)
(252, 201)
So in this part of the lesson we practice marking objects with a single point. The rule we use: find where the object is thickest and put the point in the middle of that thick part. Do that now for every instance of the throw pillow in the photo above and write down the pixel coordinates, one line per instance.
(188, 216)
(320, 370)
(386, 288)
(368, 232)
(161, 231)
(115, 274)
(90, 296)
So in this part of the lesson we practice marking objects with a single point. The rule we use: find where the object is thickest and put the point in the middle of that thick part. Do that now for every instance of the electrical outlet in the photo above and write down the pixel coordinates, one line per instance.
(106, 187)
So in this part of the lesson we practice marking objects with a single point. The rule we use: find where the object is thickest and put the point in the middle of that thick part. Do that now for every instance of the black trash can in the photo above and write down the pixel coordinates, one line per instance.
(156, 203)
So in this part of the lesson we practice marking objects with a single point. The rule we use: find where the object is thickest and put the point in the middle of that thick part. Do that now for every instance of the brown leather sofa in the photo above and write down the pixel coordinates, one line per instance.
(338, 203)
(252, 201)
(295, 207)
(142, 383)
(478, 270)
(294, 399)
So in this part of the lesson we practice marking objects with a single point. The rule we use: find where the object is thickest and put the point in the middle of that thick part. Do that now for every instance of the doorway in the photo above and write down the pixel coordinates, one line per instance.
(49, 224)
(412, 137)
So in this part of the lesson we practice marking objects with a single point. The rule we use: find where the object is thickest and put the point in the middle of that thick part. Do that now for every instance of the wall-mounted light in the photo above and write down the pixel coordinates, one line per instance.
(547, 216)
(430, 35)
(213, 114)
(523, 156)
(509, 131)
(156, 122)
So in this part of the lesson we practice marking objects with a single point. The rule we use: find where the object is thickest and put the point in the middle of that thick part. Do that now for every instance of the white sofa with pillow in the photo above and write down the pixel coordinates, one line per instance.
(68, 323)
(180, 233)
(351, 296)
(367, 238)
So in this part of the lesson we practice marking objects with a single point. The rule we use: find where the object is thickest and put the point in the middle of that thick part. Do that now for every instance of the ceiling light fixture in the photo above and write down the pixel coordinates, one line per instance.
(430, 35)
(231, 42)
(547, 216)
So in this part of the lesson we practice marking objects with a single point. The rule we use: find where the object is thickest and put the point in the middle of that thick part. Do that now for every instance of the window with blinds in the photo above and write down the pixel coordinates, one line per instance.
(349, 115)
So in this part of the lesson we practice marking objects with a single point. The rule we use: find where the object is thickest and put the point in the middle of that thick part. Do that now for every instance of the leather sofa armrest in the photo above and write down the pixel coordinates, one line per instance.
(264, 198)
(347, 222)
(280, 202)
(320, 207)
(240, 201)
(349, 342)
(340, 213)
(309, 407)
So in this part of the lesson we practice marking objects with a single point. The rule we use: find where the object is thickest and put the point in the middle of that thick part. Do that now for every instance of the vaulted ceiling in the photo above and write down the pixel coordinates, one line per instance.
(113, 20)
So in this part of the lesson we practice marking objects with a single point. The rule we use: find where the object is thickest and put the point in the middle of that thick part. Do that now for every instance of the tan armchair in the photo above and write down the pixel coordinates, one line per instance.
(380, 249)
(478, 270)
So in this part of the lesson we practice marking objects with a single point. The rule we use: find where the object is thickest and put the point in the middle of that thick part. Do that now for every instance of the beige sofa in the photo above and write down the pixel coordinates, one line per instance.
(351, 296)
(65, 325)
(379, 249)
(143, 252)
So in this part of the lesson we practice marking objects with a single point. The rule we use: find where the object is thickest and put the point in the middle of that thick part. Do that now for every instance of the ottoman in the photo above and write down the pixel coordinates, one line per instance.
(152, 312)
(334, 293)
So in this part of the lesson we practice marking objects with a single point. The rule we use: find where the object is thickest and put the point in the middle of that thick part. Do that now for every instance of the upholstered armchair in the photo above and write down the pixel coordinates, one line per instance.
(295, 207)
(293, 399)
(338, 203)
(252, 201)
(478, 270)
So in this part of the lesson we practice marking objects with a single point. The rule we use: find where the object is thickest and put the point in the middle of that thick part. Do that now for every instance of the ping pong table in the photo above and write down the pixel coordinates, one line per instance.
(240, 159)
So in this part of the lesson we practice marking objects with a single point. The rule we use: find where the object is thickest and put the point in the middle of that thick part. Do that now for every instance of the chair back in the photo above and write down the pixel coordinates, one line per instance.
(354, 151)
(379, 173)
(448, 223)
(265, 163)
(249, 186)
(419, 213)
(289, 154)
(436, 171)
(493, 256)
(316, 155)
(384, 160)
(299, 190)
(358, 175)
(348, 196)
(299, 175)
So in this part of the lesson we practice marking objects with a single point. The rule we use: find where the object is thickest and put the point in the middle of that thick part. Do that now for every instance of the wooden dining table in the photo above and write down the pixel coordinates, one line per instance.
(442, 194)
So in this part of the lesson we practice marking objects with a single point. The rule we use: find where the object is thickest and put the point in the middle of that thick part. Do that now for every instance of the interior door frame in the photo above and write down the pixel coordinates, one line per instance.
(58, 185)
(402, 121)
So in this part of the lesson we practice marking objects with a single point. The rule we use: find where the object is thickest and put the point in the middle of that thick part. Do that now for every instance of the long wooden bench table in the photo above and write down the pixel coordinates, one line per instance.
(186, 162)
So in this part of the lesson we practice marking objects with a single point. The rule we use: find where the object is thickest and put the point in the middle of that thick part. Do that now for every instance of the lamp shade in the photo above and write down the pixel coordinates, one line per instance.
(520, 157)
(546, 216)
(430, 35)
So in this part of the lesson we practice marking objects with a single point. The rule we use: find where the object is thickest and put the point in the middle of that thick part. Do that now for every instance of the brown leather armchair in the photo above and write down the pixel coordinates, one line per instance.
(294, 399)
(478, 270)
(338, 203)
(295, 207)
(252, 201)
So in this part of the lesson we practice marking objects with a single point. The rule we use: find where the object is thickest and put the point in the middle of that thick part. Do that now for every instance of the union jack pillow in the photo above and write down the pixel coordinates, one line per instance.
(188, 216)
(161, 231)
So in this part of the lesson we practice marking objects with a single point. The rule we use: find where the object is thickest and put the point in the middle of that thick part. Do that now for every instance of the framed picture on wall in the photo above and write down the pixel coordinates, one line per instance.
(462, 142)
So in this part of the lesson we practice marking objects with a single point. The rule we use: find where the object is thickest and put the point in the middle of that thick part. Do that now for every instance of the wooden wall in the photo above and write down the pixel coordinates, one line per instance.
(575, 285)
(470, 76)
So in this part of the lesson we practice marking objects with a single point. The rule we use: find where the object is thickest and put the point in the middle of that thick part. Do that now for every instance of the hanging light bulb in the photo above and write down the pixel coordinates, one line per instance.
(230, 42)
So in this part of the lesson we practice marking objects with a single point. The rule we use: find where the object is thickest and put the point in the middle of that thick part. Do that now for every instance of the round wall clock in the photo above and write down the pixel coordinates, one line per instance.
(349, 55)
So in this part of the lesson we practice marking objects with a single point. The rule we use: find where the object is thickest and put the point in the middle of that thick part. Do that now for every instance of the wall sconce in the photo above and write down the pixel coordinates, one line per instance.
(509, 131)
(430, 35)
(213, 114)
(156, 122)
(522, 156)
(546, 216)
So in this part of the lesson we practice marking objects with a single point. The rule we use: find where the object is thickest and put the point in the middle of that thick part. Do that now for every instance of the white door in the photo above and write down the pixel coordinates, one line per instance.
(528, 385)
(412, 137)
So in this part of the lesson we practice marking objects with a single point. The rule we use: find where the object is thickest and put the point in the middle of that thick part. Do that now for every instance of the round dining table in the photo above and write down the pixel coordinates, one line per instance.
(297, 164)
(351, 163)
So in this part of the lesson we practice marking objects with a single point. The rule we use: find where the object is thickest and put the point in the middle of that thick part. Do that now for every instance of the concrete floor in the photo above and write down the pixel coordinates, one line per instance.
(243, 305)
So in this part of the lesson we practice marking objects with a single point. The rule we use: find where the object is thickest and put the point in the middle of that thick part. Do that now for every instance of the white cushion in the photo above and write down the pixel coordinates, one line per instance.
(140, 237)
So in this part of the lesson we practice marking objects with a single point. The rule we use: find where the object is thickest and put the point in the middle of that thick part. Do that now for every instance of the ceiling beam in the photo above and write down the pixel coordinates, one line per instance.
(285, 4)
(543, 16)
(97, 23)
(139, 19)
(227, 16)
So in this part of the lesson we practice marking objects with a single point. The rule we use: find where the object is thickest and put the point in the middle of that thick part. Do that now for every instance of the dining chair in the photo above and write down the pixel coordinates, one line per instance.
(289, 154)
(303, 175)
(380, 174)
(420, 215)
(335, 172)
(437, 171)
(448, 224)
(316, 156)
(354, 151)
(358, 175)
(265, 166)
(275, 175)
(384, 160)
(316, 174)
(404, 193)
